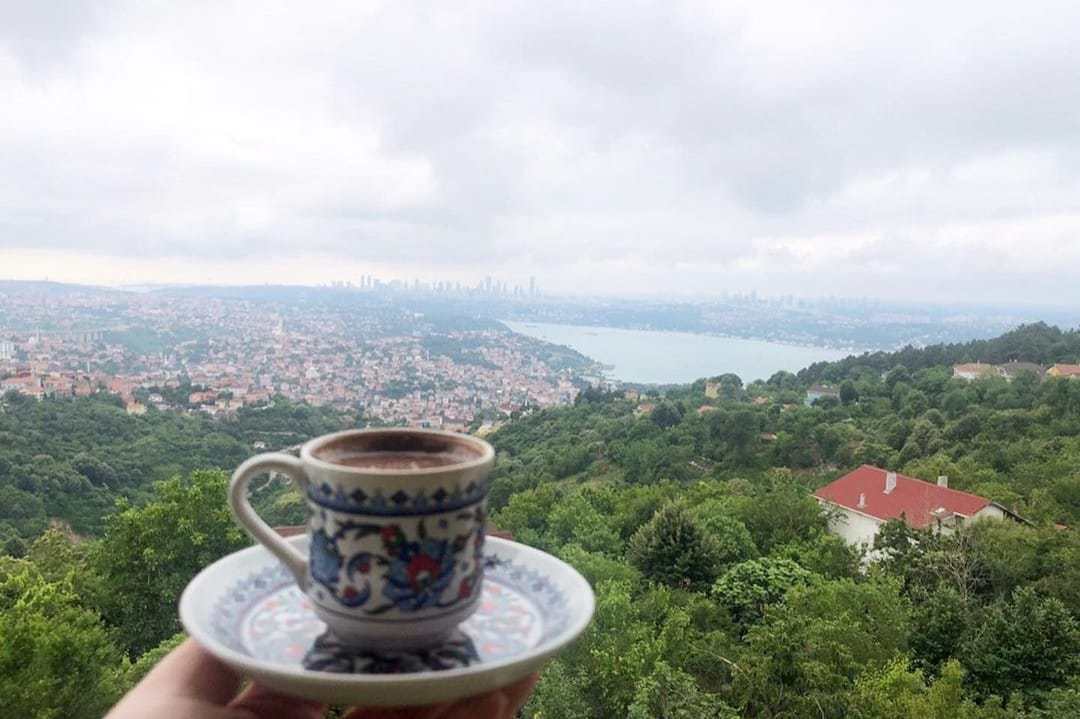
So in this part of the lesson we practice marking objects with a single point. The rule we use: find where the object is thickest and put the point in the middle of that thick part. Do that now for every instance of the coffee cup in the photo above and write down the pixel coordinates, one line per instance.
(396, 530)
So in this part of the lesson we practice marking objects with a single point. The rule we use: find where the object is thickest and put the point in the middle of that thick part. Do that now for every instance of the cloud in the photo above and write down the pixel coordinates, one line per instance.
(622, 147)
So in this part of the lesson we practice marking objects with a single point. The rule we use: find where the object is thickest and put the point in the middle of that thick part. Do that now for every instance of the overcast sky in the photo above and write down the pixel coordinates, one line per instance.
(903, 150)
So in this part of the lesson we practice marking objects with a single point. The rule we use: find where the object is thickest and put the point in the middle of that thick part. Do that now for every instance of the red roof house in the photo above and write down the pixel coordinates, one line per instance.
(870, 496)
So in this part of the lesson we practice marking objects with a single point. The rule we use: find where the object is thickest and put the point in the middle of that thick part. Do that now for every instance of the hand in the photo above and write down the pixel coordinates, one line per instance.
(190, 683)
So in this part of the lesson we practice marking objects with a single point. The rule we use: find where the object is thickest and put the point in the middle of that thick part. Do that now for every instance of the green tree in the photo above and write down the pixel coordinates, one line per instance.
(670, 693)
(732, 538)
(849, 394)
(780, 514)
(825, 554)
(749, 587)
(1027, 644)
(897, 375)
(665, 415)
(783, 381)
(897, 692)
(925, 439)
(804, 659)
(149, 554)
(940, 621)
(56, 657)
(674, 550)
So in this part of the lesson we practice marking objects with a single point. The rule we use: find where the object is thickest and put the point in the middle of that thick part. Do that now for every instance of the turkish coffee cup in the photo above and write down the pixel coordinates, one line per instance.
(396, 530)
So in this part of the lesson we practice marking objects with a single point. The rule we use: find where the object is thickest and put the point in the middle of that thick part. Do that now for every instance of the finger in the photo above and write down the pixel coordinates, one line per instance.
(430, 711)
(173, 708)
(190, 671)
(265, 704)
(499, 704)
(519, 692)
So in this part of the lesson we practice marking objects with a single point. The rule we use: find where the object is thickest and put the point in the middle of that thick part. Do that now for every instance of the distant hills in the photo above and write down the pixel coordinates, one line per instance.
(1037, 342)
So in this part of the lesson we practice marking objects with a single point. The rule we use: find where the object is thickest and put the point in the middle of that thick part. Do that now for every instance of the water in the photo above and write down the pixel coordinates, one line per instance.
(649, 356)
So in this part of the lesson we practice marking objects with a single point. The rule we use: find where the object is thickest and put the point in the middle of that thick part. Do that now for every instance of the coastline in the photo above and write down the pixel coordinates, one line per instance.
(592, 329)
(672, 357)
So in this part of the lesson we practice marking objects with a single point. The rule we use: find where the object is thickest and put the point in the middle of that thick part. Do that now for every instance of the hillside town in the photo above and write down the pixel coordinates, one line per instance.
(216, 356)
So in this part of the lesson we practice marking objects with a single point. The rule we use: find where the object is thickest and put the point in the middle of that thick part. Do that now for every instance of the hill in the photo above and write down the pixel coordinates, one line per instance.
(1037, 342)
(67, 462)
(720, 591)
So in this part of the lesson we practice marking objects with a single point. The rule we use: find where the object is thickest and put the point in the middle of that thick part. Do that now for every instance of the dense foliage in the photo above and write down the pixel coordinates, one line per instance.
(68, 461)
(1038, 343)
(720, 592)
(767, 613)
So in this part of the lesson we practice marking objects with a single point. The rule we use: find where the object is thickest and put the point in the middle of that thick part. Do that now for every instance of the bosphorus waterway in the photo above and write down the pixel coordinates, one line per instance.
(650, 356)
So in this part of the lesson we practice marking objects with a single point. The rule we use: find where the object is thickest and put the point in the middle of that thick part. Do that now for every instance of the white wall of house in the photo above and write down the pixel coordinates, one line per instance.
(990, 511)
(854, 527)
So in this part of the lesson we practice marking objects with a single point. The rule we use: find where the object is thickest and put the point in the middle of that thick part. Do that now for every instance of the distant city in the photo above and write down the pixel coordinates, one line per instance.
(422, 353)
(489, 286)
(197, 350)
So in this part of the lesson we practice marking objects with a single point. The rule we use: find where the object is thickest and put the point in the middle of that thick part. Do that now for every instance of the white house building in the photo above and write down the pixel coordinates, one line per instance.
(867, 497)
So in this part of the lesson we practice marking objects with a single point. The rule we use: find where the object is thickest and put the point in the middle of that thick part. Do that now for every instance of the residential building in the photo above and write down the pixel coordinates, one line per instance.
(974, 370)
(1013, 369)
(1071, 371)
(819, 391)
(867, 497)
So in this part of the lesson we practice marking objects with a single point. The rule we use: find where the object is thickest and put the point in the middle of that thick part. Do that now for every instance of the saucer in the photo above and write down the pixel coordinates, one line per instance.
(248, 612)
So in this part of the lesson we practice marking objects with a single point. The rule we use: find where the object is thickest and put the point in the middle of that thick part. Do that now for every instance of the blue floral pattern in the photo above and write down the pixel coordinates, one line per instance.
(419, 571)
(398, 504)
(399, 566)
(325, 559)
(265, 616)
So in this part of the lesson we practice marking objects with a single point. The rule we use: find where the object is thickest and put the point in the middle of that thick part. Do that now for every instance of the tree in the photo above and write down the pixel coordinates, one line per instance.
(673, 549)
(149, 554)
(897, 375)
(825, 554)
(56, 658)
(576, 520)
(804, 659)
(737, 432)
(1026, 644)
(954, 403)
(665, 415)
(747, 588)
(733, 541)
(898, 692)
(780, 514)
(900, 547)
(940, 621)
(925, 439)
(670, 693)
(848, 393)
(22, 511)
(731, 386)
(783, 380)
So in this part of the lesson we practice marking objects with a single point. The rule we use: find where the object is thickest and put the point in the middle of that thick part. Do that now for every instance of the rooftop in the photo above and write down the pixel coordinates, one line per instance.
(913, 498)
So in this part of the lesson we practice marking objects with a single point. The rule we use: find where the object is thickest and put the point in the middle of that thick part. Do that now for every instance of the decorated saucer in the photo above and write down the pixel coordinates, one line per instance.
(247, 610)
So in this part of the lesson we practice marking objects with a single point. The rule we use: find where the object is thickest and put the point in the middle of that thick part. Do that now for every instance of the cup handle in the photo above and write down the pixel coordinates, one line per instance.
(259, 530)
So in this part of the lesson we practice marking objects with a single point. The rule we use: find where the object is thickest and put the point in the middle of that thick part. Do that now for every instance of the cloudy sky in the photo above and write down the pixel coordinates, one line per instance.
(904, 150)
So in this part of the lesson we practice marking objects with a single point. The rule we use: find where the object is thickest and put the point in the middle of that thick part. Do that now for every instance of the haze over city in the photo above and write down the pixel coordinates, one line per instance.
(622, 149)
